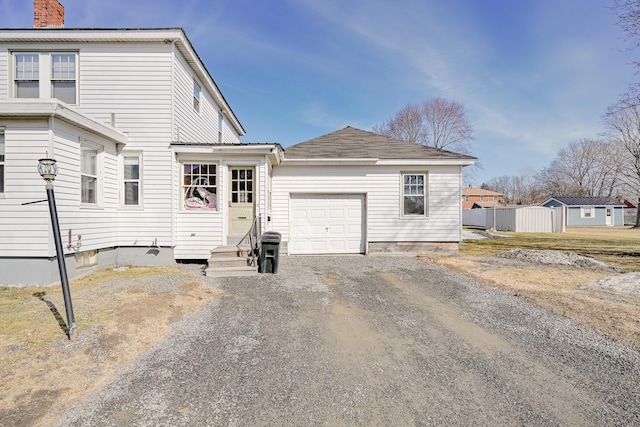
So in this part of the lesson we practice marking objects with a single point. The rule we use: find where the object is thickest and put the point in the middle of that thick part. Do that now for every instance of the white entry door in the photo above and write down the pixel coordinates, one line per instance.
(326, 224)
(609, 212)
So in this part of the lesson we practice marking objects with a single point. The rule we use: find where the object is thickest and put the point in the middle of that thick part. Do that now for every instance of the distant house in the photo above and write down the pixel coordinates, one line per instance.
(473, 198)
(589, 211)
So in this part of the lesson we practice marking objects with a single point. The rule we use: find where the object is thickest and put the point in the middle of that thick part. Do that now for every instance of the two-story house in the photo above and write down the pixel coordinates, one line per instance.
(152, 170)
(480, 197)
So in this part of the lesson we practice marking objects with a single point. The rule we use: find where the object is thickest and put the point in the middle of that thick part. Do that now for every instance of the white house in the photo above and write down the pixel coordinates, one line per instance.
(152, 170)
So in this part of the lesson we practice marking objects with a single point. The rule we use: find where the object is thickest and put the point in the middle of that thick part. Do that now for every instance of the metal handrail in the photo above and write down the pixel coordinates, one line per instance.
(252, 238)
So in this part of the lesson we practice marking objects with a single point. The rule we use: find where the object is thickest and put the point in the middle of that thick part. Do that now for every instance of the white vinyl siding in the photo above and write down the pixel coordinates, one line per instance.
(25, 230)
(382, 185)
(1, 160)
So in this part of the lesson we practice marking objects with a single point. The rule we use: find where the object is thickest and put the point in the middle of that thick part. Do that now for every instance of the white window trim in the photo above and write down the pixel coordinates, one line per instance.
(140, 204)
(183, 188)
(45, 80)
(99, 176)
(584, 209)
(425, 175)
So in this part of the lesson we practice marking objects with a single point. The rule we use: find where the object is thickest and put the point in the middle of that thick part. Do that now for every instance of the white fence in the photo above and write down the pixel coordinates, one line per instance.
(532, 219)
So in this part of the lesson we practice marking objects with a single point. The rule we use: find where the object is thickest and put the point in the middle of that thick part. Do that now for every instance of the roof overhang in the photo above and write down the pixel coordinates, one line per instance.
(175, 36)
(273, 151)
(45, 108)
(378, 162)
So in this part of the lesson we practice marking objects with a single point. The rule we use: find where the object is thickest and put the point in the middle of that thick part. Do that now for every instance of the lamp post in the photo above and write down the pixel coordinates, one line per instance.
(48, 170)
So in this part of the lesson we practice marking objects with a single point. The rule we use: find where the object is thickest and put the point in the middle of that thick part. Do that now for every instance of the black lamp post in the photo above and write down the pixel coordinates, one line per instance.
(48, 170)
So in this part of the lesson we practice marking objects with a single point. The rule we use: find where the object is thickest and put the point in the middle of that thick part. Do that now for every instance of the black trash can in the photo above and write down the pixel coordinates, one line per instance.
(269, 252)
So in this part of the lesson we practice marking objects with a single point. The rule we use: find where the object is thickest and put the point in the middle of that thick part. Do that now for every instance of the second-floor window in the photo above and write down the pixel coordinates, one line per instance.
(63, 77)
(27, 75)
(46, 75)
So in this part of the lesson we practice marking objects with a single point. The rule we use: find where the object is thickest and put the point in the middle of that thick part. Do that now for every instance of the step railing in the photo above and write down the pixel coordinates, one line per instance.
(252, 239)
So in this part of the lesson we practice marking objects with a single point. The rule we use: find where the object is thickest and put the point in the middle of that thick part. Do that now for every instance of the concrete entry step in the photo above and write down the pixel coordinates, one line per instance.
(231, 271)
(230, 261)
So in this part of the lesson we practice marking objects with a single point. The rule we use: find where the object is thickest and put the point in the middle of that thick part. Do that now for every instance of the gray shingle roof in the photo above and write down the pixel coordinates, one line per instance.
(589, 201)
(352, 143)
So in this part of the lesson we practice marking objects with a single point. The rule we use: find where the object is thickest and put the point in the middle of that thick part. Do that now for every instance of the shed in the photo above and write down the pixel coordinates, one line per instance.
(589, 211)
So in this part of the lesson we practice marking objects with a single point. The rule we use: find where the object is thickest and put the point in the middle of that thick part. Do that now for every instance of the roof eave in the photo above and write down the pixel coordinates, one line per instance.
(44, 108)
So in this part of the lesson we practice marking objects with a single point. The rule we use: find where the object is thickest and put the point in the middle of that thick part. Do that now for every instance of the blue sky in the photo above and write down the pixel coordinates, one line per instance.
(533, 74)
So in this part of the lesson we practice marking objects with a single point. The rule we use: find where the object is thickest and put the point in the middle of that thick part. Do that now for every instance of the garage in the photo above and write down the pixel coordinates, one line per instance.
(326, 224)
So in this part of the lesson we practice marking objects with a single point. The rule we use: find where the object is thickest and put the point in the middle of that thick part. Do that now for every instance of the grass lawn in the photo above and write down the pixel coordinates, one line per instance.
(617, 246)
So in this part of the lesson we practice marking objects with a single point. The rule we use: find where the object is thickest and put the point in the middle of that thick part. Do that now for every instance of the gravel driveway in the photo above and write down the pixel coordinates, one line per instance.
(369, 341)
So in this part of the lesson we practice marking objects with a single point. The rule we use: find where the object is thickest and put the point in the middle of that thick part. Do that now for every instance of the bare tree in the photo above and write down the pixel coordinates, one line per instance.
(587, 167)
(436, 123)
(623, 121)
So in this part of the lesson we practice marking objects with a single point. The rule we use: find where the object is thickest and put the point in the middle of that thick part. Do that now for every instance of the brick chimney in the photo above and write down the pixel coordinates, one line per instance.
(48, 13)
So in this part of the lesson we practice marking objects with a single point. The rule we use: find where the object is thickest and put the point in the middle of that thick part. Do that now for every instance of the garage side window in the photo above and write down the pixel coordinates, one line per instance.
(587, 212)
(414, 196)
(200, 185)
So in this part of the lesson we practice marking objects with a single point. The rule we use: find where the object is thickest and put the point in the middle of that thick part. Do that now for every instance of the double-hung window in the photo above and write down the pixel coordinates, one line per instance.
(27, 75)
(1, 160)
(199, 185)
(88, 174)
(414, 195)
(131, 180)
(46, 75)
(63, 77)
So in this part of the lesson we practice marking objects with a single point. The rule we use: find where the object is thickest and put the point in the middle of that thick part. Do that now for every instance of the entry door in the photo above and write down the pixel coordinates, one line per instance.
(609, 211)
(241, 199)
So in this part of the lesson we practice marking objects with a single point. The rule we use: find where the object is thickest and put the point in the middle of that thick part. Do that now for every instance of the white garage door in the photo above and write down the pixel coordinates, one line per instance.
(326, 224)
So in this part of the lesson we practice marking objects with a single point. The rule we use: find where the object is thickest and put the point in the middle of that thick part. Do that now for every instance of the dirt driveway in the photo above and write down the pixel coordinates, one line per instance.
(371, 341)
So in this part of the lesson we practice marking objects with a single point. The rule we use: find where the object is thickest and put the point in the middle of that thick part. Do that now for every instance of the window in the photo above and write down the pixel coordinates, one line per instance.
(414, 195)
(466, 198)
(46, 75)
(27, 75)
(1, 160)
(88, 174)
(63, 77)
(587, 212)
(481, 198)
(199, 185)
(495, 198)
(196, 96)
(131, 178)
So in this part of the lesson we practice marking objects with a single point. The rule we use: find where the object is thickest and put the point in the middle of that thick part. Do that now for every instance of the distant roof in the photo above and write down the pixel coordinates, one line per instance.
(352, 143)
(471, 191)
(588, 201)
